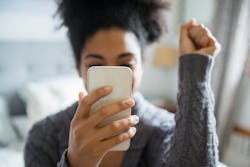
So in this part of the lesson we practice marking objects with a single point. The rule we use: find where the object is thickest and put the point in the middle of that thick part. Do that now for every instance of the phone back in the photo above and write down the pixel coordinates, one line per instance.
(120, 78)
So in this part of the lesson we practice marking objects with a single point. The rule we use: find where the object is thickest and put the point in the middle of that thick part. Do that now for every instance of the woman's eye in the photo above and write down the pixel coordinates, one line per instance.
(128, 65)
(91, 65)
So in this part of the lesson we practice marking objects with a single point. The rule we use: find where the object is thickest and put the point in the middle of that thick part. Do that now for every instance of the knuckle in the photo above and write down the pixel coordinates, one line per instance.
(122, 137)
(79, 130)
(217, 45)
(205, 29)
(93, 96)
(192, 30)
(115, 126)
(86, 101)
(76, 132)
(204, 32)
(99, 92)
(121, 105)
(192, 33)
(195, 28)
(212, 41)
(126, 123)
(200, 25)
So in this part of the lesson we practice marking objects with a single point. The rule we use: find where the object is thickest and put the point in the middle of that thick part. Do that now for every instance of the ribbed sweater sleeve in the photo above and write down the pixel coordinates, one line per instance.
(194, 142)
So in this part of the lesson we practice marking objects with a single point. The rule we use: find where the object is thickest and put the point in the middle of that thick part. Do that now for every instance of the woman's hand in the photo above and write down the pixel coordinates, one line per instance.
(88, 143)
(196, 38)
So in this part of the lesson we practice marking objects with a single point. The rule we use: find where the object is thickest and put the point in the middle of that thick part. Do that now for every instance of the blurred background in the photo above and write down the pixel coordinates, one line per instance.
(38, 76)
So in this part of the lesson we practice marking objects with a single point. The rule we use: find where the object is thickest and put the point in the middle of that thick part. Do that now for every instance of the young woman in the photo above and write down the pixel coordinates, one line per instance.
(115, 33)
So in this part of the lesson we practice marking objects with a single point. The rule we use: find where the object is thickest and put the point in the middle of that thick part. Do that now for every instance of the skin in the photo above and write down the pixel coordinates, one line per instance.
(89, 144)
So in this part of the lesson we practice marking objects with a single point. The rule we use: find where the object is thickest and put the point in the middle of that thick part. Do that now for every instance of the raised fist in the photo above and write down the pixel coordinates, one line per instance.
(196, 38)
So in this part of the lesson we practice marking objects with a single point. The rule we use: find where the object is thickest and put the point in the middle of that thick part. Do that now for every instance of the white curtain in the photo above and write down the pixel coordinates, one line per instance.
(230, 26)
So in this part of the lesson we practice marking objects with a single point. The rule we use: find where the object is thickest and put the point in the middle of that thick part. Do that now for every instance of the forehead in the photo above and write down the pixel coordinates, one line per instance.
(111, 42)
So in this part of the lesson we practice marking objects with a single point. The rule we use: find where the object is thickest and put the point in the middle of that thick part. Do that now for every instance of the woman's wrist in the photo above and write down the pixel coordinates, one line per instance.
(195, 68)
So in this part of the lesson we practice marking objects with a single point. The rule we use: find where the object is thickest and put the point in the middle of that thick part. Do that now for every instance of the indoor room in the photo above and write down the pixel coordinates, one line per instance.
(41, 75)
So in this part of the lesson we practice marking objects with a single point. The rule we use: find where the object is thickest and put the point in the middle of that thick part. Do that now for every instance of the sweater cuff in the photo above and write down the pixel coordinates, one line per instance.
(63, 162)
(195, 67)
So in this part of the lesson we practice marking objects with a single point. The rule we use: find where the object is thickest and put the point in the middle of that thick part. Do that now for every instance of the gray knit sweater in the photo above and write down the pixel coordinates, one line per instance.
(186, 139)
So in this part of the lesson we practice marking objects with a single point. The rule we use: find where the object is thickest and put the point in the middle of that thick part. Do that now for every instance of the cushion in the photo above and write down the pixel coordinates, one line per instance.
(46, 97)
(6, 130)
(49, 96)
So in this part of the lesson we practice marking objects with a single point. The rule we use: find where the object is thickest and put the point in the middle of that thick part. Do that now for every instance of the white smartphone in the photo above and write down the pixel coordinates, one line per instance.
(120, 78)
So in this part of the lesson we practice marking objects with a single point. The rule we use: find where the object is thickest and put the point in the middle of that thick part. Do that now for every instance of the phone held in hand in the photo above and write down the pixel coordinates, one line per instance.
(120, 78)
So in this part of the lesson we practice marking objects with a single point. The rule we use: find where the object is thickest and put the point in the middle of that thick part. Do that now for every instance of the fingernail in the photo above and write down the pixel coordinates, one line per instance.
(128, 102)
(134, 119)
(107, 88)
(132, 130)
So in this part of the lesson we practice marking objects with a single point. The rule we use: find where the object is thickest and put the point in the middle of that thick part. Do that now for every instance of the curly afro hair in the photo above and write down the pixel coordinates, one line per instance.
(145, 18)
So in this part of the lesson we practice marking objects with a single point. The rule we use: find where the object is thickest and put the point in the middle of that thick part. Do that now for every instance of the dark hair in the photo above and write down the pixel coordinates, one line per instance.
(145, 18)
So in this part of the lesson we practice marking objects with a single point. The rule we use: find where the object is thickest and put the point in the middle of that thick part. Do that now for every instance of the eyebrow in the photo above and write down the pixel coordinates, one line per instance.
(98, 56)
(93, 55)
(123, 55)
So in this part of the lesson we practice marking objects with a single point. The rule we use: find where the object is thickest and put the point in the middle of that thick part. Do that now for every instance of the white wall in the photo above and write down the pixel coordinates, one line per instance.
(29, 20)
